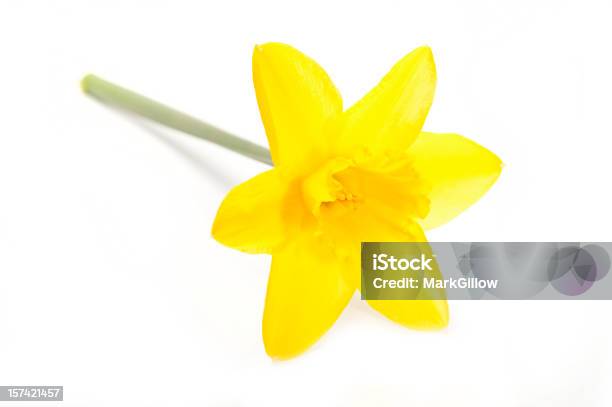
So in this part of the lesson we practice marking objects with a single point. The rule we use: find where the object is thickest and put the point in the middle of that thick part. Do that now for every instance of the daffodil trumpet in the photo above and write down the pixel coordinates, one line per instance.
(340, 177)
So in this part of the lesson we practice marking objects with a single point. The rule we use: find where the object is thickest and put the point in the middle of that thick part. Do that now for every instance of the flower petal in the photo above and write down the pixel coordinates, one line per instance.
(430, 309)
(346, 226)
(391, 115)
(458, 170)
(306, 294)
(419, 314)
(296, 99)
(250, 217)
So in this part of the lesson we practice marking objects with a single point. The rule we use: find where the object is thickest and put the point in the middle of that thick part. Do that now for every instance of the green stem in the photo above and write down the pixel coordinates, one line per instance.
(115, 95)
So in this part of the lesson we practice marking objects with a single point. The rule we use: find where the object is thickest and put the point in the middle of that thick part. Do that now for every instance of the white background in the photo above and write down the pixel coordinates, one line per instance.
(111, 285)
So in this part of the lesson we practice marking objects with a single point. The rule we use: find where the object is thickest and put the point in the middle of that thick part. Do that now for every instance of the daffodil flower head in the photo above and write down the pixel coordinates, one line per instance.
(341, 177)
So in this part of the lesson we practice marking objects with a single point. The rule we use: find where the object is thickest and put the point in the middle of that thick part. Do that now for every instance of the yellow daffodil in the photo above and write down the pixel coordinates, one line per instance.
(340, 177)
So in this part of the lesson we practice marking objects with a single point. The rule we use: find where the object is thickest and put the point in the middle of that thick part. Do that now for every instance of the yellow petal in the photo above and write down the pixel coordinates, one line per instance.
(250, 217)
(296, 100)
(347, 225)
(430, 309)
(366, 226)
(306, 294)
(458, 170)
(391, 115)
